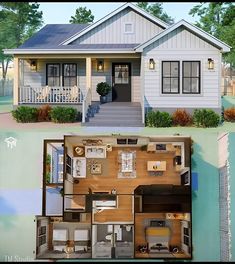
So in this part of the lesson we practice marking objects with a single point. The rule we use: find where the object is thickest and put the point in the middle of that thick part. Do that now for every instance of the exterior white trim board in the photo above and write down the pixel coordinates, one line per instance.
(64, 51)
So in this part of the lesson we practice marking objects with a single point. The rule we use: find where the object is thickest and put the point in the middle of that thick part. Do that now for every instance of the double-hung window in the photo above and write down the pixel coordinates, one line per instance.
(170, 77)
(53, 74)
(191, 77)
(69, 74)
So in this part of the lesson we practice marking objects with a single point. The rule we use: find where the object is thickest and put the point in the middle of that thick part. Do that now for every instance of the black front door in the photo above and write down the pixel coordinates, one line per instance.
(121, 82)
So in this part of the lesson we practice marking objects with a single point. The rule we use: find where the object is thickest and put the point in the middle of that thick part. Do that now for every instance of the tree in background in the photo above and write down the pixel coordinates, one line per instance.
(82, 16)
(156, 10)
(18, 22)
(218, 19)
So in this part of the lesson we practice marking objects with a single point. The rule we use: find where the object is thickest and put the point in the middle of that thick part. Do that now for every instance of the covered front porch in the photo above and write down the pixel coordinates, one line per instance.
(71, 80)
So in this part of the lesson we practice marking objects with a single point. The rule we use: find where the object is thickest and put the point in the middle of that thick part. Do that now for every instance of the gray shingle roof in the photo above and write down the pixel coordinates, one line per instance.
(86, 47)
(52, 35)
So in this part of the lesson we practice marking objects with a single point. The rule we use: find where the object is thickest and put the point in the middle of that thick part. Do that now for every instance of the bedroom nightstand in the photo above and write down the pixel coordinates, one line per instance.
(143, 249)
(69, 248)
(174, 249)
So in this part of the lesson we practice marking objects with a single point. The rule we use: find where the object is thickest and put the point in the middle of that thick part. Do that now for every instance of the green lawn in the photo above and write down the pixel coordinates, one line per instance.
(6, 104)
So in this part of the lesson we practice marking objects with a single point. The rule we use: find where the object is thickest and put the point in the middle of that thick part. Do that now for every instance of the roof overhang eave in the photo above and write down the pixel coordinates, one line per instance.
(64, 51)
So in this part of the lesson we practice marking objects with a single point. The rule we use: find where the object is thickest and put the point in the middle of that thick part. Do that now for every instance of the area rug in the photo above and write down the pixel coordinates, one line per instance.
(104, 168)
(161, 255)
(126, 164)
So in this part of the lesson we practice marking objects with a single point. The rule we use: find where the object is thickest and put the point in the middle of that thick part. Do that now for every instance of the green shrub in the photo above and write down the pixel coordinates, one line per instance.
(150, 119)
(206, 118)
(158, 119)
(25, 114)
(48, 177)
(48, 159)
(63, 114)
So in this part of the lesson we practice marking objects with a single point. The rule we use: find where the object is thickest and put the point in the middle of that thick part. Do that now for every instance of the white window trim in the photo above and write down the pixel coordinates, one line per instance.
(132, 26)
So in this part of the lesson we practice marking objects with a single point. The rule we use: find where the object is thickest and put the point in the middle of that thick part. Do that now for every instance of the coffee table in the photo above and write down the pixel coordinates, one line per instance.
(96, 168)
(156, 166)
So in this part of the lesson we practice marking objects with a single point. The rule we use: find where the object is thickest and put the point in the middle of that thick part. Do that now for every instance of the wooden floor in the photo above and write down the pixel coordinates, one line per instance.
(175, 239)
(122, 214)
(110, 180)
(78, 202)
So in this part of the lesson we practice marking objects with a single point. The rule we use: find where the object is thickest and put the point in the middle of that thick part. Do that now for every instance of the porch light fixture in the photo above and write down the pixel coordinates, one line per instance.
(33, 65)
(100, 65)
(151, 64)
(210, 64)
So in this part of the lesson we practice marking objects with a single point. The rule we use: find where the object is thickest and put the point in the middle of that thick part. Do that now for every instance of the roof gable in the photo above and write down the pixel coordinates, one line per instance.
(118, 10)
(199, 32)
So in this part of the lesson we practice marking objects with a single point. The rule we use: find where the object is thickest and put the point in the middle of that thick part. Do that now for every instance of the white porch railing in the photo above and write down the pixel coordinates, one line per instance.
(50, 95)
(85, 104)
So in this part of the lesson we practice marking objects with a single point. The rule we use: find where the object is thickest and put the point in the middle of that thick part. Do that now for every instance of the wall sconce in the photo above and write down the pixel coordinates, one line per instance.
(100, 65)
(151, 64)
(210, 64)
(33, 65)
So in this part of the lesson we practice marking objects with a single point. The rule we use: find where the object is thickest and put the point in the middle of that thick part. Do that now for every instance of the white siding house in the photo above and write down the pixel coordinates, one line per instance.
(114, 29)
(146, 62)
(181, 45)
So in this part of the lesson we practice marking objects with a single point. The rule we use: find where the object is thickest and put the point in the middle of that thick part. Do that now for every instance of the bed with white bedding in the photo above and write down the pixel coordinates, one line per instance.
(81, 239)
(59, 240)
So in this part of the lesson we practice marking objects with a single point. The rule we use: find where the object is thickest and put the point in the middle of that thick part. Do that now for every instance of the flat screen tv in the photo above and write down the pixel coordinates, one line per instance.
(160, 146)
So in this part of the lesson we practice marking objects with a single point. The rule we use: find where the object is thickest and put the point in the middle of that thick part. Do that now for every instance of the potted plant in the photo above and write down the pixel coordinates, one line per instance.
(48, 168)
(103, 89)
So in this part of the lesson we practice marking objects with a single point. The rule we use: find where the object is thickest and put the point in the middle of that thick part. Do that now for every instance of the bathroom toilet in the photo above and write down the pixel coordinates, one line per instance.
(128, 228)
(109, 237)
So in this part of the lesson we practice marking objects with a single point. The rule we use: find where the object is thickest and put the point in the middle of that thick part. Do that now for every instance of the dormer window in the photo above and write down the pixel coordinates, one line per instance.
(128, 27)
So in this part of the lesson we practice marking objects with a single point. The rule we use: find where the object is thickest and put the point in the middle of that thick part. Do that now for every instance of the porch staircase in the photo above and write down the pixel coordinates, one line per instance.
(115, 114)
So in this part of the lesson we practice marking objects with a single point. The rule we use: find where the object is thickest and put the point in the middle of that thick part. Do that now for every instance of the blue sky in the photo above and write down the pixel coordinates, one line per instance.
(60, 13)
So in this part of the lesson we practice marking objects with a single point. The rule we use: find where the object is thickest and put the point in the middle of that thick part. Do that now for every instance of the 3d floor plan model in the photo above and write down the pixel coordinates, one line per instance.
(116, 197)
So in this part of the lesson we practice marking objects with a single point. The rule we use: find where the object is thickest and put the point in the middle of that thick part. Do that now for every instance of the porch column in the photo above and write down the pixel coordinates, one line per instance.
(142, 89)
(16, 81)
(88, 73)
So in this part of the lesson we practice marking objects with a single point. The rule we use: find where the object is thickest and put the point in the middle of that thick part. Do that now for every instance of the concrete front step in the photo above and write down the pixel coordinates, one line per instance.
(117, 114)
(120, 110)
(113, 124)
(120, 104)
(116, 120)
